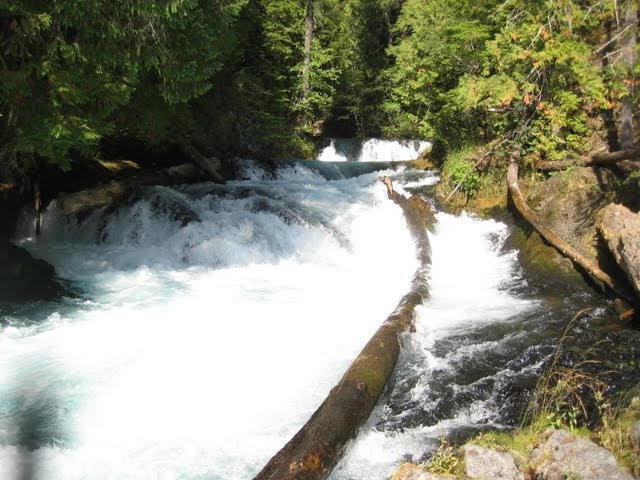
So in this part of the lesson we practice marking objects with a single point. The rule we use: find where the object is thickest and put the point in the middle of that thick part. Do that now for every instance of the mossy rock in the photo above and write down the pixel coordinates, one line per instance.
(568, 203)
(545, 267)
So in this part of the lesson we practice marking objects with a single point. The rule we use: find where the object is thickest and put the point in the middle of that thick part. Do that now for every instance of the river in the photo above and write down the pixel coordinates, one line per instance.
(204, 323)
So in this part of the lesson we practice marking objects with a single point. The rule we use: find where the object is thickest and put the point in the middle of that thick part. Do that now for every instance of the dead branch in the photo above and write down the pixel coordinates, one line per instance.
(550, 236)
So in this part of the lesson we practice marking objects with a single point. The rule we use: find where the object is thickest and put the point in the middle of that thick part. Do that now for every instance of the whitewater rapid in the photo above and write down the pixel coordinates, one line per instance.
(444, 383)
(208, 323)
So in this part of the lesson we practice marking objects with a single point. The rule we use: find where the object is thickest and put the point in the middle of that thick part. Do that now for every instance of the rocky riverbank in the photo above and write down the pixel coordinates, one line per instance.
(554, 455)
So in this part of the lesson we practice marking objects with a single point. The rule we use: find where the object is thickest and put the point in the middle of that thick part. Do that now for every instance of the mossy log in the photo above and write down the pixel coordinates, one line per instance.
(319, 444)
(550, 236)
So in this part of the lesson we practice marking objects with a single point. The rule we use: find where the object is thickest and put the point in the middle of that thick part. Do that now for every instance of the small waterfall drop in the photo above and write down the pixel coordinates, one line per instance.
(372, 150)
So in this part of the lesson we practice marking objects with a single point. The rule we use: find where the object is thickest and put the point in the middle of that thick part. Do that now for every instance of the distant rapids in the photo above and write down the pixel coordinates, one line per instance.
(372, 150)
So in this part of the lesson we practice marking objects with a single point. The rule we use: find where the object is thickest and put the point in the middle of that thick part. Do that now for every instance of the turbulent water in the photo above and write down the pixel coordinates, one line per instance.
(207, 322)
(372, 150)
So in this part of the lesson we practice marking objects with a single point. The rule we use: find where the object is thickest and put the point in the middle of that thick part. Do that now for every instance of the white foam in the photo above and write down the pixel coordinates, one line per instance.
(375, 150)
(378, 150)
(467, 272)
(205, 346)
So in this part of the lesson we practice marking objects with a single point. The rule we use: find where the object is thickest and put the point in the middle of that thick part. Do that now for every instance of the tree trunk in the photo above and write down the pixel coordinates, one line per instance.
(308, 41)
(628, 42)
(315, 449)
(549, 235)
(37, 205)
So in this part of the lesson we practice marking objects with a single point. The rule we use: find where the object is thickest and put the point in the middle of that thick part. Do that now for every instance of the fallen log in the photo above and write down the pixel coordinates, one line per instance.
(605, 158)
(319, 444)
(550, 236)
(597, 159)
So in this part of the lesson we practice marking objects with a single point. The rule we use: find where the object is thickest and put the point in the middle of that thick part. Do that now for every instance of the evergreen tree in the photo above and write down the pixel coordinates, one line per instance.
(539, 78)
(437, 43)
(73, 72)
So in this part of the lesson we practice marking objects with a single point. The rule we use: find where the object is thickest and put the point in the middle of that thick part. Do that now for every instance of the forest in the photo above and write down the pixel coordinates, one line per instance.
(265, 78)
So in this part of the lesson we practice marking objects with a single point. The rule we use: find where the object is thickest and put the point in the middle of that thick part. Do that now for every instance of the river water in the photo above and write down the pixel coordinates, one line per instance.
(205, 323)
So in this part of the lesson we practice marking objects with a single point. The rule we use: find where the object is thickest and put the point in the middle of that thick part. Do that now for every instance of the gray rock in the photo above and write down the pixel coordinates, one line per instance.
(620, 227)
(411, 471)
(563, 455)
(485, 464)
(634, 433)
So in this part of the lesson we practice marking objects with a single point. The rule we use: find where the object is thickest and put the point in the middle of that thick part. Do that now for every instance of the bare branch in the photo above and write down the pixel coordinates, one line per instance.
(613, 39)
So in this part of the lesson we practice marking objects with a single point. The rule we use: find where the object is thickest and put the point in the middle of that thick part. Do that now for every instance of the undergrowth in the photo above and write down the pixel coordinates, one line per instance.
(466, 182)
(446, 461)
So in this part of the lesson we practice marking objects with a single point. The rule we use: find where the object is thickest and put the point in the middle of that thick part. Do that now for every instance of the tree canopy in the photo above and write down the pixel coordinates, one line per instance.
(263, 77)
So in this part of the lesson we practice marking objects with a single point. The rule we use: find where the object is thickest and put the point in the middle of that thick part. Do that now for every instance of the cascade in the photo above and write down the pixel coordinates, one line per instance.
(207, 322)
(372, 150)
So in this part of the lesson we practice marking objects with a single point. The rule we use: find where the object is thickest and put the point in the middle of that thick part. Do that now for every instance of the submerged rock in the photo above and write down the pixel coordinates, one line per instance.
(620, 227)
(563, 455)
(485, 464)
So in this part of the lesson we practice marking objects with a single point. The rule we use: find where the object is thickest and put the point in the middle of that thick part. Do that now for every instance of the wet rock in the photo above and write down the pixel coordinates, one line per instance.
(620, 227)
(411, 471)
(87, 200)
(563, 455)
(486, 464)
(23, 277)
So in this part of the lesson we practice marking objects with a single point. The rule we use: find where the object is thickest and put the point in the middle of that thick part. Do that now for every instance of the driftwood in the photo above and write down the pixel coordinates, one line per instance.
(597, 159)
(318, 445)
(563, 247)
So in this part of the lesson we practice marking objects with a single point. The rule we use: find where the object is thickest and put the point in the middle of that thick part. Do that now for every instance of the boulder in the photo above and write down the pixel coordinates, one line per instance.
(568, 202)
(115, 191)
(486, 464)
(23, 277)
(563, 455)
(620, 228)
(411, 471)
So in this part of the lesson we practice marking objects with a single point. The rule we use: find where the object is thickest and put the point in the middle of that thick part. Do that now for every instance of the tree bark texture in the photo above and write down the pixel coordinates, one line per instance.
(319, 444)
(549, 235)
(628, 43)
